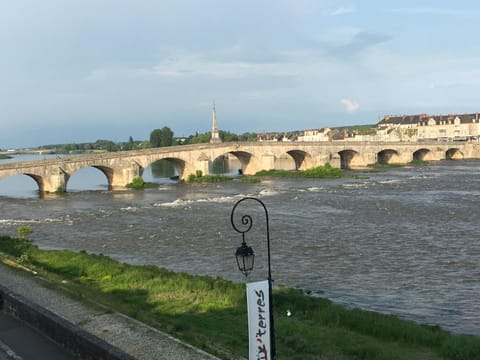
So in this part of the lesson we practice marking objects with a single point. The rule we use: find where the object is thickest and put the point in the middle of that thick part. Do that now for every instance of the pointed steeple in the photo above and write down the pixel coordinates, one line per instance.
(215, 138)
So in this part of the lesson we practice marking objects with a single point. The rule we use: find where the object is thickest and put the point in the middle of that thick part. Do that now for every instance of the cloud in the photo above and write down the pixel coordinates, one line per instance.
(361, 41)
(350, 105)
(342, 11)
(190, 66)
(431, 11)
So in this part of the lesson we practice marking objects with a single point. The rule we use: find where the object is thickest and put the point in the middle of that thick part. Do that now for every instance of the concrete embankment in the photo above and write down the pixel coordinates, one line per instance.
(87, 331)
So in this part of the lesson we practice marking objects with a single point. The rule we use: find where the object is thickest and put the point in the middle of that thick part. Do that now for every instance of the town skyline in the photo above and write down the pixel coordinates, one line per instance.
(75, 72)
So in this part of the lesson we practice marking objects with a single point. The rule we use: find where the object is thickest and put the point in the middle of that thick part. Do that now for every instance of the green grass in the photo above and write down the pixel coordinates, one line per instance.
(210, 312)
(138, 184)
(200, 178)
(208, 178)
(320, 172)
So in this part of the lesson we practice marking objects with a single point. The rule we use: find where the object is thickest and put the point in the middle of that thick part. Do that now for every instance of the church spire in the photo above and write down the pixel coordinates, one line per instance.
(215, 139)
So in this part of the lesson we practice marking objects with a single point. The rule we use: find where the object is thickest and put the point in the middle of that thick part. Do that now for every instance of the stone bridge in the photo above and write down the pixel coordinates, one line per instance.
(120, 168)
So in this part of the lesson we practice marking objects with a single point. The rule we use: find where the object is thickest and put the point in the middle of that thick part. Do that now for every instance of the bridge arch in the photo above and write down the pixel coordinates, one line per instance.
(104, 170)
(250, 164)
(161, 169)
(302, 159)
(388, 156)
(178, 164)
(349, 158)
(423, 155)
(223, 164)
(454, 154)
(39, 181)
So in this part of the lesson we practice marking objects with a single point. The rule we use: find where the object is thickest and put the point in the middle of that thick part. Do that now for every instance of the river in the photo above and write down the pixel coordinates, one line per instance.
(404, 241)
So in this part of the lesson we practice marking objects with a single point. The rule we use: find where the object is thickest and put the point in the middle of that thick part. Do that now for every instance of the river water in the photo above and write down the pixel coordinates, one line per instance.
(404, 241)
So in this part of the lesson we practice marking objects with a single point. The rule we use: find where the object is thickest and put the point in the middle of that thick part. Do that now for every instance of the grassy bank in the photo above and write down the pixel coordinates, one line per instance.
(320, 172)
(198, 177)
(211, 312)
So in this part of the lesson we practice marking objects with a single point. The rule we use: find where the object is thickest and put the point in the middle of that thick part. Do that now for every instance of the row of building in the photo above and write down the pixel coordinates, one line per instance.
(421, 127)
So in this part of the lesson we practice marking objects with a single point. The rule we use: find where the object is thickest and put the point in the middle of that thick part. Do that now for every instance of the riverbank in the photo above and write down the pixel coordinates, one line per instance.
(81, 326)
(210, 313)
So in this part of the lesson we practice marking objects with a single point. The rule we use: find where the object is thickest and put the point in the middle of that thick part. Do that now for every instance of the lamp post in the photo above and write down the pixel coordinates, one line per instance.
(245, 258)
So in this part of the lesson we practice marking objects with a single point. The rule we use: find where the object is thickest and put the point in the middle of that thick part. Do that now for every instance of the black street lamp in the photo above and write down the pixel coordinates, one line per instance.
(245, 258)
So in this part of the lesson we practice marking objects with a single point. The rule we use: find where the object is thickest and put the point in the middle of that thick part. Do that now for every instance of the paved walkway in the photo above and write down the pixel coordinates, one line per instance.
(18, 341)
(133, 337)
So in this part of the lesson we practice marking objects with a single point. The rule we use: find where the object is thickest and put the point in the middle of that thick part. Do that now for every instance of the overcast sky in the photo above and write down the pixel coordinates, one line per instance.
(78, 71)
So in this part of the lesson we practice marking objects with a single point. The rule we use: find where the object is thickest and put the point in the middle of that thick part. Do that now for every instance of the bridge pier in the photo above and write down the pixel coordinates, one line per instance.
(54, 181)
(203, 164)
(333, 159)
(120, 177)
(268, 161)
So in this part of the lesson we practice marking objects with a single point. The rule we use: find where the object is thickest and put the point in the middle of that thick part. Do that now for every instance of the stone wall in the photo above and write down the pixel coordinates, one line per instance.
(75, 340)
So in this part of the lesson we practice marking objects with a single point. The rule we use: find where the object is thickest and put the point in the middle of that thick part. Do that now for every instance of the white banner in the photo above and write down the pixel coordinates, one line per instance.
(258, 320)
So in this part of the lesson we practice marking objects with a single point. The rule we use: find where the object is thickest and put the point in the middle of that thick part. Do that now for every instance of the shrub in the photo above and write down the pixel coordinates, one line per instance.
(137, 183)
(23, 231)
(326, 171)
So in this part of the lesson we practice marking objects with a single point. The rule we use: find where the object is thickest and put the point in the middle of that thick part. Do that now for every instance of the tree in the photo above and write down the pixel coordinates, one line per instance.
(198, 138)
(161, 137)
(130, 145)
(107, 145)
(228, 136)
(167, 136)
(156, 138)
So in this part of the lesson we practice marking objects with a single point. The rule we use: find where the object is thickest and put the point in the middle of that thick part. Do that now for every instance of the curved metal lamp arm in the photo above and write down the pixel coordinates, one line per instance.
(247, 223)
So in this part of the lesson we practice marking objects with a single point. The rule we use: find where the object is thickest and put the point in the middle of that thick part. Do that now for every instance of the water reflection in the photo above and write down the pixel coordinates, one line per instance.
(161, 172)
(163, 169)
(220, 165)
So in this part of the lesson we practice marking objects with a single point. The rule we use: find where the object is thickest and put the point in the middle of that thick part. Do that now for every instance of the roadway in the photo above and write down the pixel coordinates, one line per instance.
(18, 341)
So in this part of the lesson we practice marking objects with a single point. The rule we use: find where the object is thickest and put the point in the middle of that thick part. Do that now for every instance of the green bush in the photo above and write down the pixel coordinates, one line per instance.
(23, 231)
(325, 171)
(199, 178)
(137, 183)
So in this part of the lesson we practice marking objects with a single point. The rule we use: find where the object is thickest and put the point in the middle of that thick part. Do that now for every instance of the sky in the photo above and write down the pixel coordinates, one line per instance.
(78, 71)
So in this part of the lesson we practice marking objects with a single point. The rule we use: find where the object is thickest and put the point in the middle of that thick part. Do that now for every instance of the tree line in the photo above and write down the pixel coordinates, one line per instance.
(158, 138)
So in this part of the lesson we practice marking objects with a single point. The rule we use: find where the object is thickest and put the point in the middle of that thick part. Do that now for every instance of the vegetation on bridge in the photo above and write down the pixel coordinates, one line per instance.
(211, 312)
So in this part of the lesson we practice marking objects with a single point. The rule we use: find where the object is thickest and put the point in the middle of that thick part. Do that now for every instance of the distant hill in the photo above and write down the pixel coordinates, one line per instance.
(354, 127)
